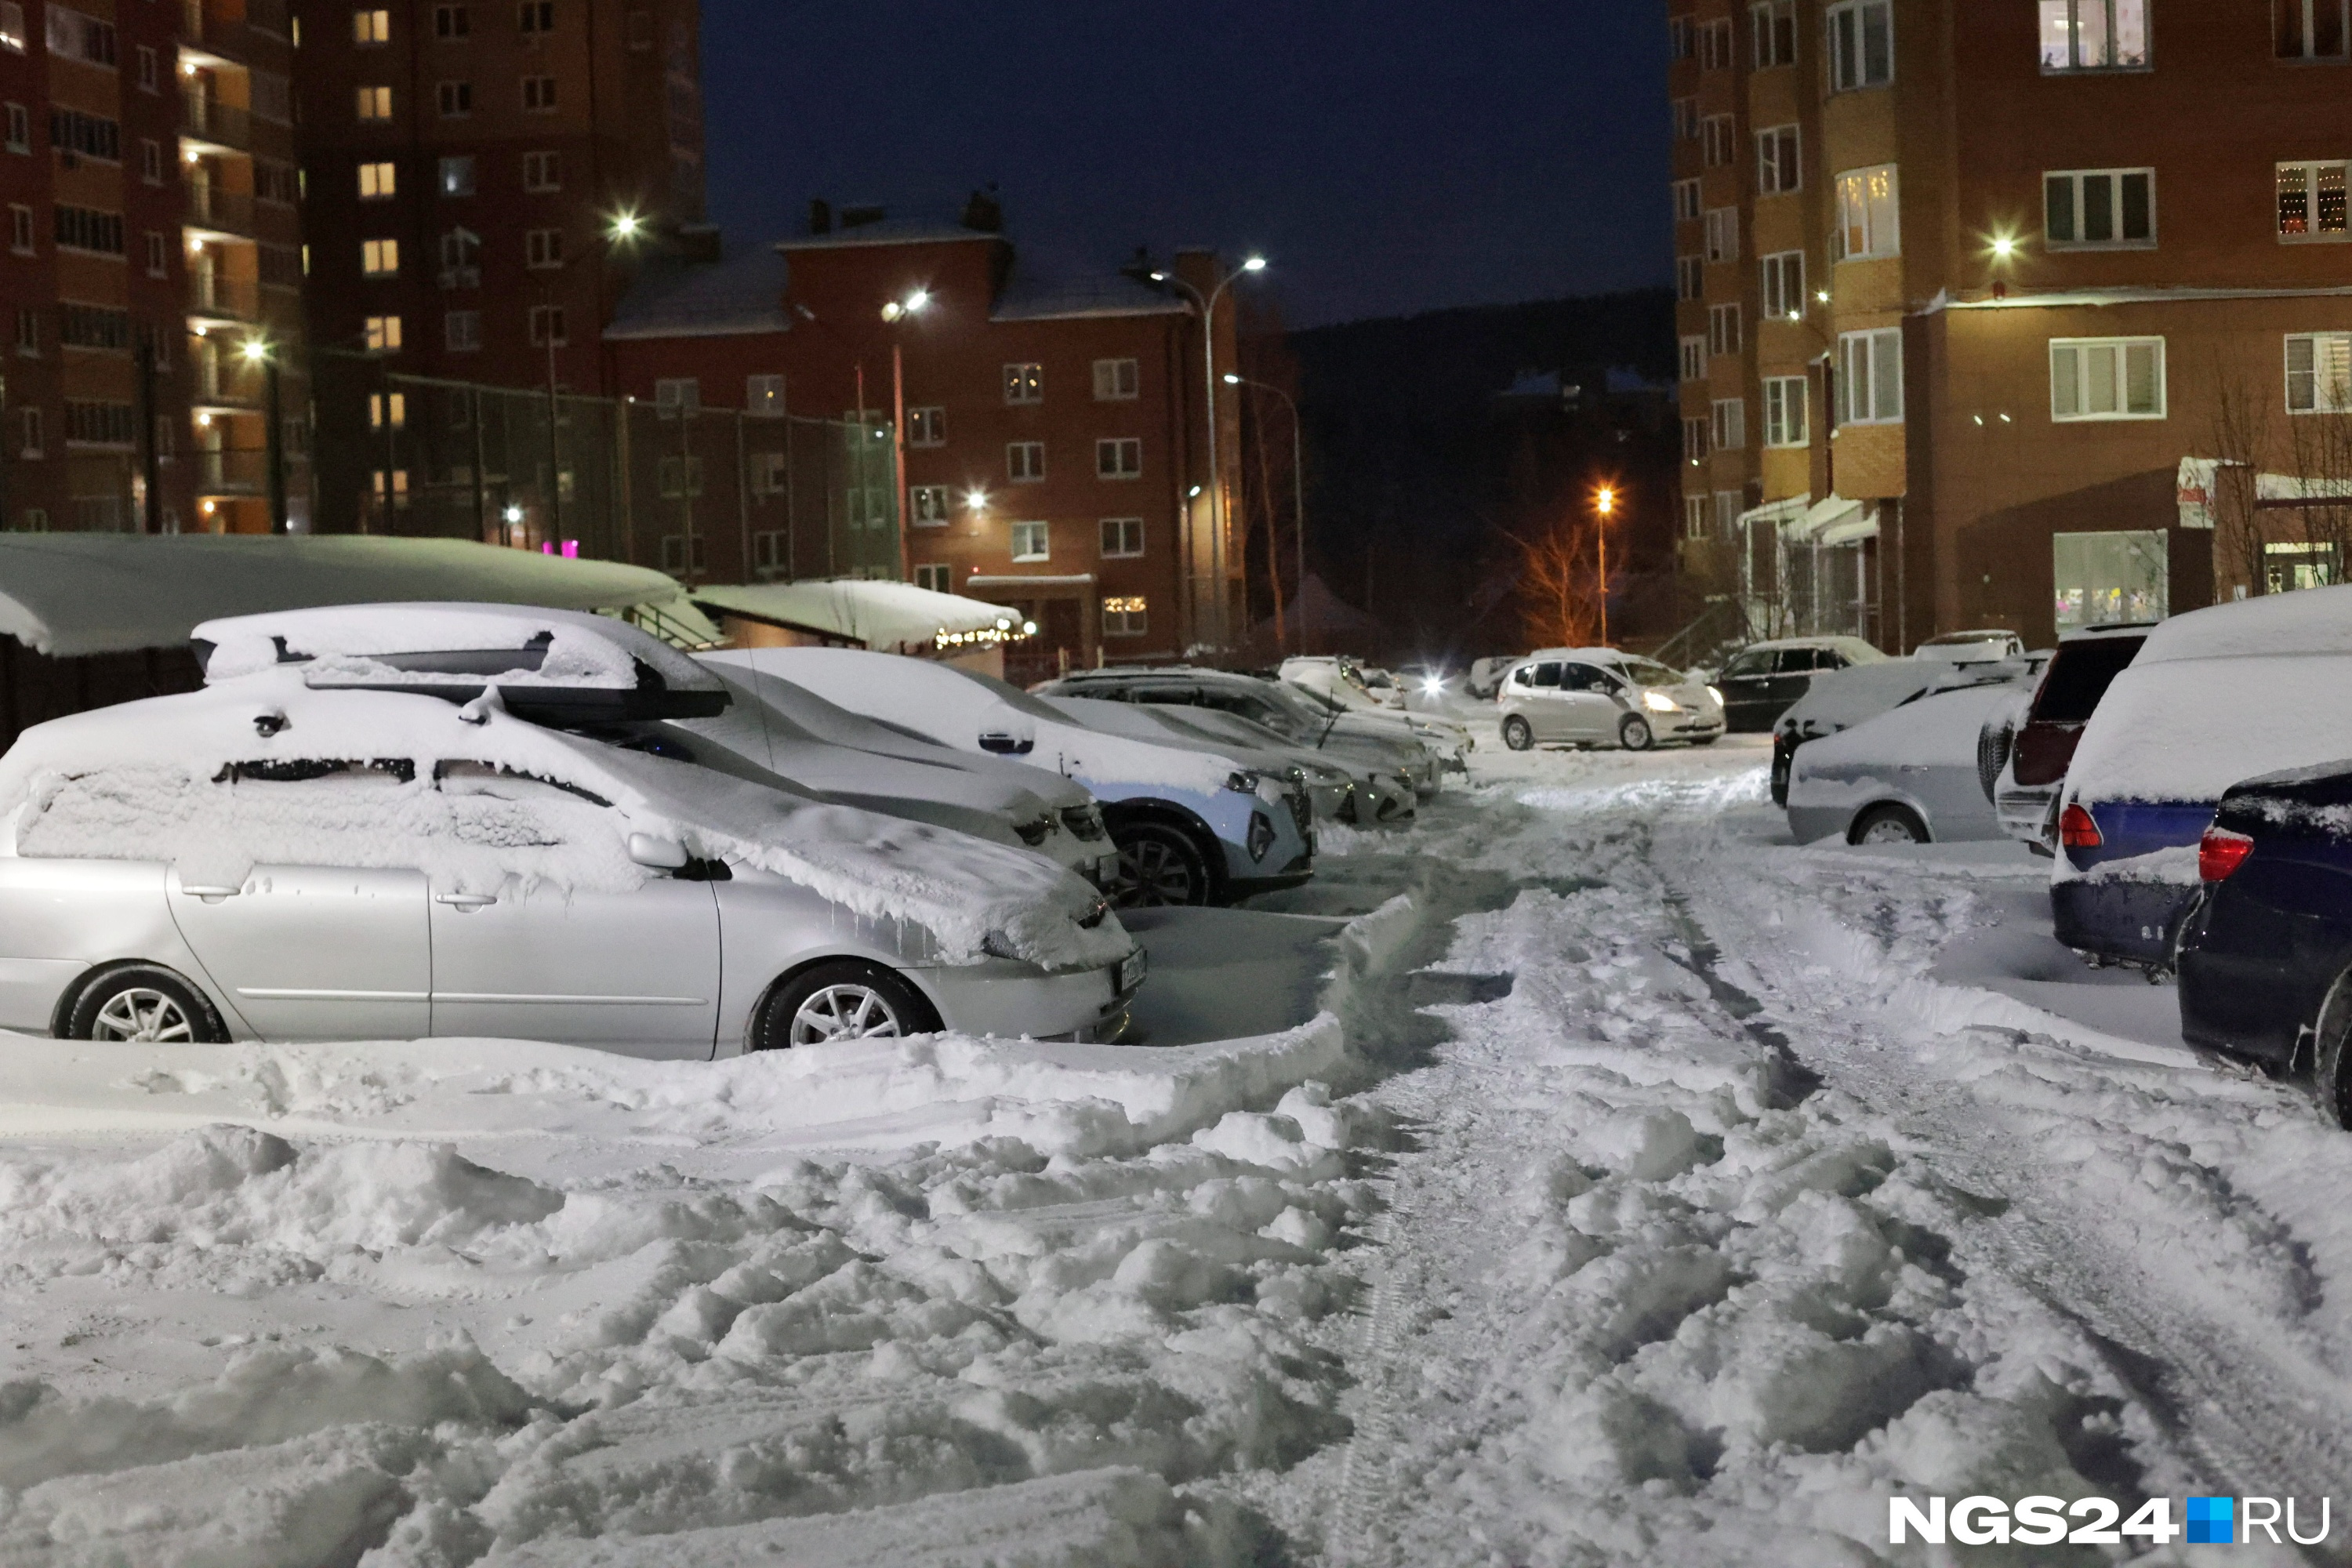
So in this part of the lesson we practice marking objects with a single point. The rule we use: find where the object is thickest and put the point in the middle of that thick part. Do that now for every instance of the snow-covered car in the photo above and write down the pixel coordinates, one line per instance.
(1485, 677)
(1342, 680)
(1986, 646)
(1329, 790)
(1389, 765)
(1449, 744)
(1905, 777)
(1192, 826)
(2215, 696)
(1602, 697)
(1841, 698)
(316, 852)
(1764, 680)
(2024, 750)
(845, 757)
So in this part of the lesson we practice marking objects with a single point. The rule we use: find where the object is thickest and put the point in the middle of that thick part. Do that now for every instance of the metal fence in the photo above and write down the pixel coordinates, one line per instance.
(707, 495)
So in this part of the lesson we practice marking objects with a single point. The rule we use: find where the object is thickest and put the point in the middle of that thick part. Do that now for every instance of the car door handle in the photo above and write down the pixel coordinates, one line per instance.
(210, 895)
(465, 900)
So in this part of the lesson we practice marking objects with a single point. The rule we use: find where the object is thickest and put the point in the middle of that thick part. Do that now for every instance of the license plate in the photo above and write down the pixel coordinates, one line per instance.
(1131, 969)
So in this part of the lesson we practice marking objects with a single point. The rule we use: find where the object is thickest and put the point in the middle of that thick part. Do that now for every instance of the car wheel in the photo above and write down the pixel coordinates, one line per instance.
(845, 1000)
(1887, 824)
(1633, 733)
(147, 1004)
(2331, 1073)
(1517, 734)
(1158, 866)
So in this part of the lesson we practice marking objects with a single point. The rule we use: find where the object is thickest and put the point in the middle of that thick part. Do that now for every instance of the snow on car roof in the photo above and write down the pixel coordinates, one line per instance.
(2188, 728)
(552, 647)
(73, 594)
(134, 782)
(2314, 620)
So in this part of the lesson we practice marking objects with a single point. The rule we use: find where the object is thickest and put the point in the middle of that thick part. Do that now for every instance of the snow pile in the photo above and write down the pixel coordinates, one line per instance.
(554, 647)
(156, 779)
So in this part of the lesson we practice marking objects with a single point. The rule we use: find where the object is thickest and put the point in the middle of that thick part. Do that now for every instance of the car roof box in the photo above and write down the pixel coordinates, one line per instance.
(558, 667)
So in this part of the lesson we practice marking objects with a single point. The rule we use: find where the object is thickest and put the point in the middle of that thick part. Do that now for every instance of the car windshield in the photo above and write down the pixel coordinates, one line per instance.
(1649, 672)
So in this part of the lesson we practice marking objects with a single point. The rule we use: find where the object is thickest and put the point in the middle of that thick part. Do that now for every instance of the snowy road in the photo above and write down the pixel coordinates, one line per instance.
(1584, 1176)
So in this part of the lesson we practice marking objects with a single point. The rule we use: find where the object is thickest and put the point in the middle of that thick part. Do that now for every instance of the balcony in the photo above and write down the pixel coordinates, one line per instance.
(220, 212)
(215, 125)
(237, 471)
(222, 299)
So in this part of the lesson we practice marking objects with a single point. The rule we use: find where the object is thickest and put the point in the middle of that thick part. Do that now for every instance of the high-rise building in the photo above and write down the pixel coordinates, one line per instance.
(2025, 315)
(150, 273)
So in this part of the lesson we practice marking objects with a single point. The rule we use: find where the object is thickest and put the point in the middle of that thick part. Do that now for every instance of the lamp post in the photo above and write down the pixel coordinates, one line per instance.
(1604, 504)
(893, 312)
(1208, 305)
(622, 227)
(257, 352)
(1297, 507)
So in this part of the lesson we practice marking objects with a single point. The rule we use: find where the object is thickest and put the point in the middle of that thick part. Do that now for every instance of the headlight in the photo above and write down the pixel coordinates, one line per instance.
(1036, 832)
(1433, 686)
(1242, 783)
(1659, 702)
(1716, 693)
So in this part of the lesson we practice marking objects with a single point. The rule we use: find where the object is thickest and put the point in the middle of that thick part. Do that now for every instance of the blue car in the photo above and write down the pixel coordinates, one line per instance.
(2267, 957)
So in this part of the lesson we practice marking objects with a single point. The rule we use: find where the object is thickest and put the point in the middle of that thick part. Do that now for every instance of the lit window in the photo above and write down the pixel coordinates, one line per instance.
(1024, 383)
(928, 505)
(1030, 541)
(1125, 616)
(1122, 538)
(2093, 35)
(2087, 208)
(370, 27)
(1870, 377)
(380, 258)
(375, 103)
(2106, 378)
(379, 181)
(2319, 372)
(926, 427)
(380, 403)
(1869, 221)
(383, 333)
(2311, 203)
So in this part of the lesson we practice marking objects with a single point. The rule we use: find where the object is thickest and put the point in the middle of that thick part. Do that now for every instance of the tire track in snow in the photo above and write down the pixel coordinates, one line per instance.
(2241, 1399)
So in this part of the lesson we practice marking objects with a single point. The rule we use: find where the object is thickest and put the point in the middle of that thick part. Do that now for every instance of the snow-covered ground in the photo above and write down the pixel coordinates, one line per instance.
(1583, 1176)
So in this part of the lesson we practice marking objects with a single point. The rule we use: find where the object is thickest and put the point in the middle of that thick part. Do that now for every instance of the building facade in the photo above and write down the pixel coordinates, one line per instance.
(478, 174)
(151, 273)
(1054, 455)
(2031, 315)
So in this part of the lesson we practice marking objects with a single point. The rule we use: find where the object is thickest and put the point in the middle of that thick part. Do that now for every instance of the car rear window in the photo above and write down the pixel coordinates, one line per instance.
(2079, 676)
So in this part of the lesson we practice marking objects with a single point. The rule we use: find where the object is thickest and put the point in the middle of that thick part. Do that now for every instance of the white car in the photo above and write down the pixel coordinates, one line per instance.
(343, 847)
(1343, 680)
(1329, 788)
(1906, 776)
(847, 758)
(1602, 697)
(1332, 690)
(1192, 825)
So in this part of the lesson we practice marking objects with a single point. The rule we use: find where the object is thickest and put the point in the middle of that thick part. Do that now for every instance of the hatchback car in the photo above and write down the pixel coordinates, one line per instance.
(2266, 954)
(2024, 755)
(1601, 697)
(1764, 679)
(283, 856)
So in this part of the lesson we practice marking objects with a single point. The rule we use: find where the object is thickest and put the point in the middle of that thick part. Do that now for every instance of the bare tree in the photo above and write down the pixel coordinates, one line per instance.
(1559, 579)
(2243, 439)
(2319, 458)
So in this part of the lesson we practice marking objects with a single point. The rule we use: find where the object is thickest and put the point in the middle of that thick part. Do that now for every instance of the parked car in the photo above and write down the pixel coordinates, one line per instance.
(2024, 750)
(2266, 951)
(1192, 826)
(1330, 790)
(2215, 696)
(1972, 647)
(1448, 743)
(844, 757)
(1839, 700)
(1905, 776)
(1342, 680)
(1602, 697)
(1764, 679)
(1390, 763)
(1485, 677)
(289, 854)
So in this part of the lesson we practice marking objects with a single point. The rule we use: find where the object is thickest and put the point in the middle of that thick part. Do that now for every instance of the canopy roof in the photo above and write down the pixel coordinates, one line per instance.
(886, 617)
(74, 594)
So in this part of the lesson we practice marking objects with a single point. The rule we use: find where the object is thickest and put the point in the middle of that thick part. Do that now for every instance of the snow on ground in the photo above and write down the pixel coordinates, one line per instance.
(1583, 1176)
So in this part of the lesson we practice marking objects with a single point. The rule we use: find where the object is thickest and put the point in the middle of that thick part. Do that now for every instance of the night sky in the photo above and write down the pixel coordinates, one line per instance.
(1389, 156)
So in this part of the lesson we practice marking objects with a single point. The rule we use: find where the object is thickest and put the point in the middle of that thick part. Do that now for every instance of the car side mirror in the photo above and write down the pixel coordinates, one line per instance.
(656, 854)
(1005, 745)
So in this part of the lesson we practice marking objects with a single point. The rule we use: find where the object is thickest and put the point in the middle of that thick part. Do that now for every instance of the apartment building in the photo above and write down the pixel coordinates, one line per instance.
(1054, 455)
(150, 279)
(2028, 315)
(479, 174)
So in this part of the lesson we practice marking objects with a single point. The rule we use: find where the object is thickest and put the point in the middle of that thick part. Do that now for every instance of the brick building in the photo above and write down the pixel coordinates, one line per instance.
(467, 167)
(147, 178)
(1055, 455)
(2024, 315)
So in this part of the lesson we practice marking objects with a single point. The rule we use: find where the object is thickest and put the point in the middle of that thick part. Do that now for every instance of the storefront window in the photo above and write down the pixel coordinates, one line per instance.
(2287, 567)
(2105, 578)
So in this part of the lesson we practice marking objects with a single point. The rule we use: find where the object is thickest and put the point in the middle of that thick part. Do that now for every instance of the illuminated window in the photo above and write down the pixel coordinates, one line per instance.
(380, 258)
(370, 28)
(383, 333)
(2311, 201)
(1869, 219)
(1125, 617)
(1024, 383)
(928, 506)
(375, 104)
(393, 404)
(2093, 35)
(379, 181)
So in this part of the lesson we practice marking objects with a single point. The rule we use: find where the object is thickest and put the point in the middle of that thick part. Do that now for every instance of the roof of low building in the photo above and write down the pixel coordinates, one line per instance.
(741, 294)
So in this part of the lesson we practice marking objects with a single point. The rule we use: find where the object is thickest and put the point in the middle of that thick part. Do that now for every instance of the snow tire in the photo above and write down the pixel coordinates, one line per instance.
(1633, 733)
(1518, 734)
(839, 1000)
(147, 1003)
(2331, 1071)
(1158, 867)
(1888, 824)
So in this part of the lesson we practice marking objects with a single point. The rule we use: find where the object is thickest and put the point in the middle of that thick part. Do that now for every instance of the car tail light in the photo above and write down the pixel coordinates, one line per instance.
(2221, 852)
(2076, 830)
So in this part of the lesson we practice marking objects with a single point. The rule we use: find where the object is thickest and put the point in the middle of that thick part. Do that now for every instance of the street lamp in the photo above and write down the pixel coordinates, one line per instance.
(893, 312)
(1604, 503)
(1297, 508)
(257, 351)
(1208, 305)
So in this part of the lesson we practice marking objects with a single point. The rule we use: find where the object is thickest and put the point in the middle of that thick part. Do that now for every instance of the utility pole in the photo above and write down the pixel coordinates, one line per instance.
(1604, 503)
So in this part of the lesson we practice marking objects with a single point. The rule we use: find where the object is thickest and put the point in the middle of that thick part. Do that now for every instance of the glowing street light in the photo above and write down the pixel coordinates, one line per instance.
(256, 351)
(975, 499)
(1604, 502)
(627, 225)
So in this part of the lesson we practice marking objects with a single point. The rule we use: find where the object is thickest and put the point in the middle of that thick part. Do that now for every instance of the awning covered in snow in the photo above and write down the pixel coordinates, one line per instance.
(2200, 486)
(74, 594)
(1777, 511)
(885, 617)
